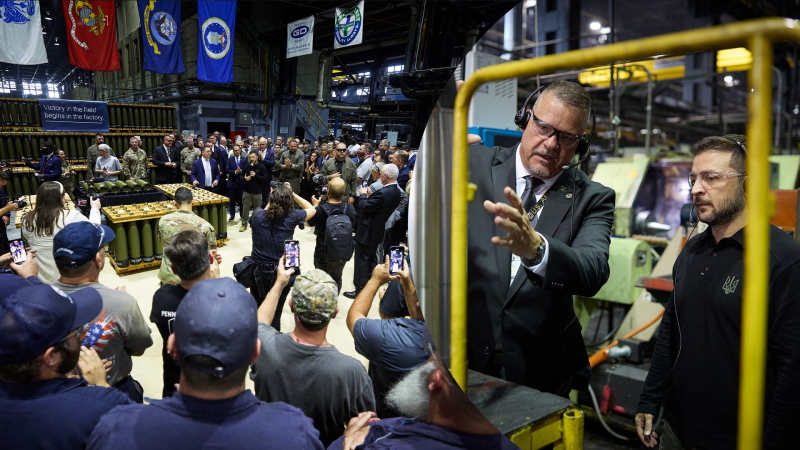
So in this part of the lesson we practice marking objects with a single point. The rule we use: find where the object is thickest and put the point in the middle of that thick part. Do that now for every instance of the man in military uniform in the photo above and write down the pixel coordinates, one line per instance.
(91, 152)
(135, 162)
(340, 166)
(189, 155)
(182, 219)
(67, 174)
(290, 163)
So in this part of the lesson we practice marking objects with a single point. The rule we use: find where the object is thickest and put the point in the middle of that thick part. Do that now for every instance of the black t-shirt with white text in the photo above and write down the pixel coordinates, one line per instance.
(165, 303)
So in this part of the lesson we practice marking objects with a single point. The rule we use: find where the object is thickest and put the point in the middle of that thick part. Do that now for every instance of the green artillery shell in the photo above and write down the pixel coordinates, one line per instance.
(146, 234)
(26, 184)
(223, 222)
(213, 217)
(157, 248)
(111, 186)
(134, 244)
(120, 243)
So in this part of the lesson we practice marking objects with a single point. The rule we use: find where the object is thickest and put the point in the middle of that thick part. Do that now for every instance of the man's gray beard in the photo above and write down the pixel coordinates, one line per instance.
(410, 396)
(542, 174)
(727, 210)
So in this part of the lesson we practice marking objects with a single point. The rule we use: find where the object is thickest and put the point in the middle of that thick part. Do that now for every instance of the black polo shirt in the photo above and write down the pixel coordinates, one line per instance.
(695, 367)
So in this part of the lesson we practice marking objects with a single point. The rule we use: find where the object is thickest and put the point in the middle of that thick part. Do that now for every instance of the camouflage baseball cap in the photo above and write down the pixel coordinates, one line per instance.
(316, 292)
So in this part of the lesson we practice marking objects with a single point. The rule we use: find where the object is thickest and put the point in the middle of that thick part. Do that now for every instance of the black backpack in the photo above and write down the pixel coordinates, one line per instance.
(338, 235)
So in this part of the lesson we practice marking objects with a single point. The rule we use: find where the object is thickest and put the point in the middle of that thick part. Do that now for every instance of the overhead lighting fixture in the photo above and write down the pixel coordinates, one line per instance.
(605, 30)
(595, 26)
(728, 79)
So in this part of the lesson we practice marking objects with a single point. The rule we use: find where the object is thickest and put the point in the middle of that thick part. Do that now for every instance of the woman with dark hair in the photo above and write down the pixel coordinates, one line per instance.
(271, 227)
(306, 185)
(48, 217)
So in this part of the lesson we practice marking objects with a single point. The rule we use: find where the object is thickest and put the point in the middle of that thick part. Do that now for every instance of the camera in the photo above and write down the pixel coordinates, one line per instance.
(318, 179)
(21, 202)
(274, 184)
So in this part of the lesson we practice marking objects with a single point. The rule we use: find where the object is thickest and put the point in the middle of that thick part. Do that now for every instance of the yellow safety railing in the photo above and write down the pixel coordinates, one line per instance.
(756, 35)
(318, 121)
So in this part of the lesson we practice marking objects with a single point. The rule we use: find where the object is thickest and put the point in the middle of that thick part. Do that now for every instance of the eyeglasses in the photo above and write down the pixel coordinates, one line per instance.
(341, 149)
(545, 130)
(76, 332)
(712, 178)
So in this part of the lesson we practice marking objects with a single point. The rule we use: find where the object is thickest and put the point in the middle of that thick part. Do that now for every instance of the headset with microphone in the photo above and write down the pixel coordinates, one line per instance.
(523, 116)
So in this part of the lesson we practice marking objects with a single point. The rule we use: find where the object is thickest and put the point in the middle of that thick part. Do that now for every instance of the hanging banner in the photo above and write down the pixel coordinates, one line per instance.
(161, 34)
(216, 20)
(21, 33)
(349, 26)
(73, 115)
(300, 37)
(92, 34)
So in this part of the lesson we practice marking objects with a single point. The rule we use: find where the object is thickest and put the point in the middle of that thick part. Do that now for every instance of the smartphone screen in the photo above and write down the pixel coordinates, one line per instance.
(291, 254)
(364, 184)
(395, 259)
(325, 189)
(18, 251)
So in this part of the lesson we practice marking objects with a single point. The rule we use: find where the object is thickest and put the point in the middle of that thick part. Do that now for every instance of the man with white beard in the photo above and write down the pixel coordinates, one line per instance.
(438, 416)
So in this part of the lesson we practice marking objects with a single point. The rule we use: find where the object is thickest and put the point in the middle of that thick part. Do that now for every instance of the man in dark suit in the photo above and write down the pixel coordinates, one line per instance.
(521, 323)
(373, 213)
(205, 171)
(266, 157)
(400, 159)
(234, 168)
(49, 167)
(166, 158)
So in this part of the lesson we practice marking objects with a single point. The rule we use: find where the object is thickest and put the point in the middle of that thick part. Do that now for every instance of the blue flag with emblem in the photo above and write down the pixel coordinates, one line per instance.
(161, 34)
(216, 21)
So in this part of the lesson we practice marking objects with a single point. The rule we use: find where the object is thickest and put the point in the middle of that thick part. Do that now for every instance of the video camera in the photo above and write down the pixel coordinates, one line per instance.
(82, 200)
(21, 202)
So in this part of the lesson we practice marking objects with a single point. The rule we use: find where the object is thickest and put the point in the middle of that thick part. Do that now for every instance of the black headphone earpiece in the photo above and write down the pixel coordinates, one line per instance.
(522, 118)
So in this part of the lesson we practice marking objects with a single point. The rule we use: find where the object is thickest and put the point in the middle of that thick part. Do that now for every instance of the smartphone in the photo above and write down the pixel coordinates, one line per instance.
(364, 184)
(396, 254)
(291, 255)
(324, 189)
(18, 251)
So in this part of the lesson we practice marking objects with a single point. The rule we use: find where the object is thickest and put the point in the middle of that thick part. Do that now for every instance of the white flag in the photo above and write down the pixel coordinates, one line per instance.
(300, 37)
(21, 39)
(349, 26)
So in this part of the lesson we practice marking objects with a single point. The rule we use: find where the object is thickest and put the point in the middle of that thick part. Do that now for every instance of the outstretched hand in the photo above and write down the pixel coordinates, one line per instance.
(522, 239)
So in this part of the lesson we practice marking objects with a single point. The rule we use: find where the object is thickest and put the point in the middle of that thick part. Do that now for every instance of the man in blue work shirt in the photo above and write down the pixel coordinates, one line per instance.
(394, 345)
(212, 408)
(41, 406)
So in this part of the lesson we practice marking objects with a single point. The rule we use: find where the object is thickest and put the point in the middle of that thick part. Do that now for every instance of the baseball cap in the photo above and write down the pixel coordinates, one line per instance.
(315, 291)
(12, 283)
(217, 318)
(393, 302)
(78, 243)
(34, 318)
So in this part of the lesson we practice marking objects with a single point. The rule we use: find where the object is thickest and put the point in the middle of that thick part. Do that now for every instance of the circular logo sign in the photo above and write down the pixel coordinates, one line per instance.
(216, 38)
(348, 24)
(163, 28)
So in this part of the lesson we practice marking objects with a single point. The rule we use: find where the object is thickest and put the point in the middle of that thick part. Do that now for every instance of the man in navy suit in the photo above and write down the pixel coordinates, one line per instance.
(205, 171)
(234, 168)
(266, 156)
(49, 167)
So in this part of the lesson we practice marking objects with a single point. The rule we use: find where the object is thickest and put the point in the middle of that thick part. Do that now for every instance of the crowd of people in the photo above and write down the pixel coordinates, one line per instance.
(69, 341)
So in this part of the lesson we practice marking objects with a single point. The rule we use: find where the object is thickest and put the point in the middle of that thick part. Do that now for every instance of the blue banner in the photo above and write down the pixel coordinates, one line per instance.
(161, 34)
(73, 115)
(216, 21)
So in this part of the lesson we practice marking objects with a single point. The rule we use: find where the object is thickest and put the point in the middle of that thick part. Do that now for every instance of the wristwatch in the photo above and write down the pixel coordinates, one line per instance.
(539, 254)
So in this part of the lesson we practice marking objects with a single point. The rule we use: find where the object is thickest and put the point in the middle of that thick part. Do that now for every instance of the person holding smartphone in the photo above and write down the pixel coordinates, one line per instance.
(272, 227)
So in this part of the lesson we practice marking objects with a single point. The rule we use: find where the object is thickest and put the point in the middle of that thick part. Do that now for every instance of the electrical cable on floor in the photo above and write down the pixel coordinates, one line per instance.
(602, 421)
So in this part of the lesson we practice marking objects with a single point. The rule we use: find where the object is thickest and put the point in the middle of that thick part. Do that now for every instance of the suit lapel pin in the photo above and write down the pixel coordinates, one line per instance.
(563, 189)
(568, 195)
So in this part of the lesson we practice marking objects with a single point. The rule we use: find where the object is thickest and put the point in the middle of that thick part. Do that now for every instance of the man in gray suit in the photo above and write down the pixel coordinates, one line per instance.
(551, 226)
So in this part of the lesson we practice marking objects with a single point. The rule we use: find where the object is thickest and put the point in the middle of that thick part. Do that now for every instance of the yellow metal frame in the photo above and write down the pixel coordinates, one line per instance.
(758, 36)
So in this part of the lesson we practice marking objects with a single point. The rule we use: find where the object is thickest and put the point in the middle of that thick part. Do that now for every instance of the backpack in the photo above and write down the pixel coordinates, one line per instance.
(338, 235)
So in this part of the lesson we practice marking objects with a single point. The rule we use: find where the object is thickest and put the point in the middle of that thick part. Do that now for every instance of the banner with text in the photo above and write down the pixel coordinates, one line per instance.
(300, 39)
(349, 26)
(73, 115)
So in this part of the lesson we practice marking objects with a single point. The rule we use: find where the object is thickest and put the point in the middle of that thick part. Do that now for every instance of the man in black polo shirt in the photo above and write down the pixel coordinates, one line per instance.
(335, 205)
(192, 262)
(694, 374)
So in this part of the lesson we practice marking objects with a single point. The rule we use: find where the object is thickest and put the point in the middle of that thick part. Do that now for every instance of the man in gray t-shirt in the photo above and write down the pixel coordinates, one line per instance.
(301, 368)
(120, 331)
(107, 165)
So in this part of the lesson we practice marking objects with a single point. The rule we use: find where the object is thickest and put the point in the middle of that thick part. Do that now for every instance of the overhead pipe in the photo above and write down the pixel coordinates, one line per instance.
(323, 77)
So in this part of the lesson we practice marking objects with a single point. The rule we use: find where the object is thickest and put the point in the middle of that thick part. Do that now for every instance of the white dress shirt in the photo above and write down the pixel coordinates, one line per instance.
(207, 170)
(521, 173)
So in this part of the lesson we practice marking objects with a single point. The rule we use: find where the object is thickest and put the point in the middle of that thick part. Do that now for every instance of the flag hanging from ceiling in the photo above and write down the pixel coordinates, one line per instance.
(216, 21)
(300, 37)
(161, 34)
(21, 33)
(349, 29)
(92, 34)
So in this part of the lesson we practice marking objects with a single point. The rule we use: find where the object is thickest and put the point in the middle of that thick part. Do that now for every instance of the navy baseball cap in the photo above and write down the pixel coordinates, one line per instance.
(35, 318)
(12, 283)
(78, 243)
(217, 318)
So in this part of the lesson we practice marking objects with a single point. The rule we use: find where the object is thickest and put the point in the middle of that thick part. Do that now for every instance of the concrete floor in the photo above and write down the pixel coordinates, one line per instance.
(147, 368)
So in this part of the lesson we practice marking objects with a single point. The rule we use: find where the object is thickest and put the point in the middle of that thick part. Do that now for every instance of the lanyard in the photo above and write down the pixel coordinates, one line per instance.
(538, 206)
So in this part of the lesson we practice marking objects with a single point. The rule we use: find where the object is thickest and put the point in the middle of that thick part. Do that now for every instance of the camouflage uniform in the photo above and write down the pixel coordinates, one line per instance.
(293, 173)
(349, 175)
(316, 292)
(188, 156)
(176, 222)
(67, 181)
(135, 165)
